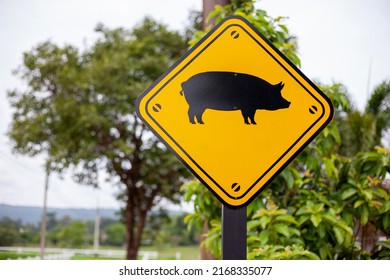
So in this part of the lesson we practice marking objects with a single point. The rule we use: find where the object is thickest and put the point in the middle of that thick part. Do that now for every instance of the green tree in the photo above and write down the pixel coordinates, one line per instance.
(178, 228)
(16, 233)
(378, 106)
(116, 234)
(78, 108)
(362, 131)
(156, 229)
(273, 29)
(72, 235)
(358, 131)
(8, 232)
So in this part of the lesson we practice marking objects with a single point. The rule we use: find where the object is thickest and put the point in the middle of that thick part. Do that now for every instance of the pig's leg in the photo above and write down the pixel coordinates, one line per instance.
(199, 116)
(252, 117)
(249, 114)
(245, 118)
(195, 112)
(191, 115)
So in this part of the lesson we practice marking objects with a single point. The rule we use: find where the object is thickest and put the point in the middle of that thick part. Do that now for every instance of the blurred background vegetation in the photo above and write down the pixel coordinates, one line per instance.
(165, 233)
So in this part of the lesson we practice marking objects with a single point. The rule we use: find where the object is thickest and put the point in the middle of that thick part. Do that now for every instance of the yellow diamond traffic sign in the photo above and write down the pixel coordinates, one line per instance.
(235, 111)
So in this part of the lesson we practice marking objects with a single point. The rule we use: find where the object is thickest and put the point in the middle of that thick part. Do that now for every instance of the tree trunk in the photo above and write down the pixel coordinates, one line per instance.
(204, 254)
(369, 237)
(131, 248)
(208, 6)
(135, 214)
(134, 233)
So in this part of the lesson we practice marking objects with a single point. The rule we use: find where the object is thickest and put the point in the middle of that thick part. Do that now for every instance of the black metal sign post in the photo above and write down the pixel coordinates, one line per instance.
(233, 233)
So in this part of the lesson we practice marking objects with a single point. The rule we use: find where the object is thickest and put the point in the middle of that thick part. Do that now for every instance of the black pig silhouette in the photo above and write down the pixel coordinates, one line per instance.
(229, 91)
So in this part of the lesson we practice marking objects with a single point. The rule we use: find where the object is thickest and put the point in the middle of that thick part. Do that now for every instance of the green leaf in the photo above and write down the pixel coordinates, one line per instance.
(253, 239)
(385, 207)
(241, 14)
(253, 224)
(364, 214)
(289, 177)
(284, 28)
(339, 235)
(386, 221)
(347, 193)
(286, 218)
(303, 219)
(187, 218)
(252, 255)
(324, 251)
(330, 168)
(213, 14)
(302, 210)
(312, 163)
(316, 219)
(264, 237)
(367, 194)
(380, 192)
(385, 244)
(321, 230)
(207, 199)
(311, 255)
(264, 221)
(295, 231)
(318, 207)
(358, 203)
(347, 217)
(345, 227)
(282, 229)
(336, 135)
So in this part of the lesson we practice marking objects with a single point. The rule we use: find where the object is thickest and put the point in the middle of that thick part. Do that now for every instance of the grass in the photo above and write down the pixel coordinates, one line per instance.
(164, 253)
(169, 253)
(12, 255)
(79, 257)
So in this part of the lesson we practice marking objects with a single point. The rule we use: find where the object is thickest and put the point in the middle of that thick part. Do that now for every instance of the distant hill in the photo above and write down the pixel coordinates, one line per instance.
(33, 215)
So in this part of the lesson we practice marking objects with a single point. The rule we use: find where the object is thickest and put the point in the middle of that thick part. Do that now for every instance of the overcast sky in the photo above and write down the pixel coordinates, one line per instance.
(346, 41)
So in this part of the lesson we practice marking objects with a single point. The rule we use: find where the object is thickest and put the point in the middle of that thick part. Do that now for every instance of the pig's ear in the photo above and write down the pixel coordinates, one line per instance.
(280, 86)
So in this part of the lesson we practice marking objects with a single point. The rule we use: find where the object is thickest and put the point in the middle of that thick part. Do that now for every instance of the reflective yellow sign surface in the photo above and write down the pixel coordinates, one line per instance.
(235, 111)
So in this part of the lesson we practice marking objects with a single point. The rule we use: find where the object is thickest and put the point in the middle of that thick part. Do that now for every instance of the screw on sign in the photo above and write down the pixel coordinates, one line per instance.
(235, 111)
